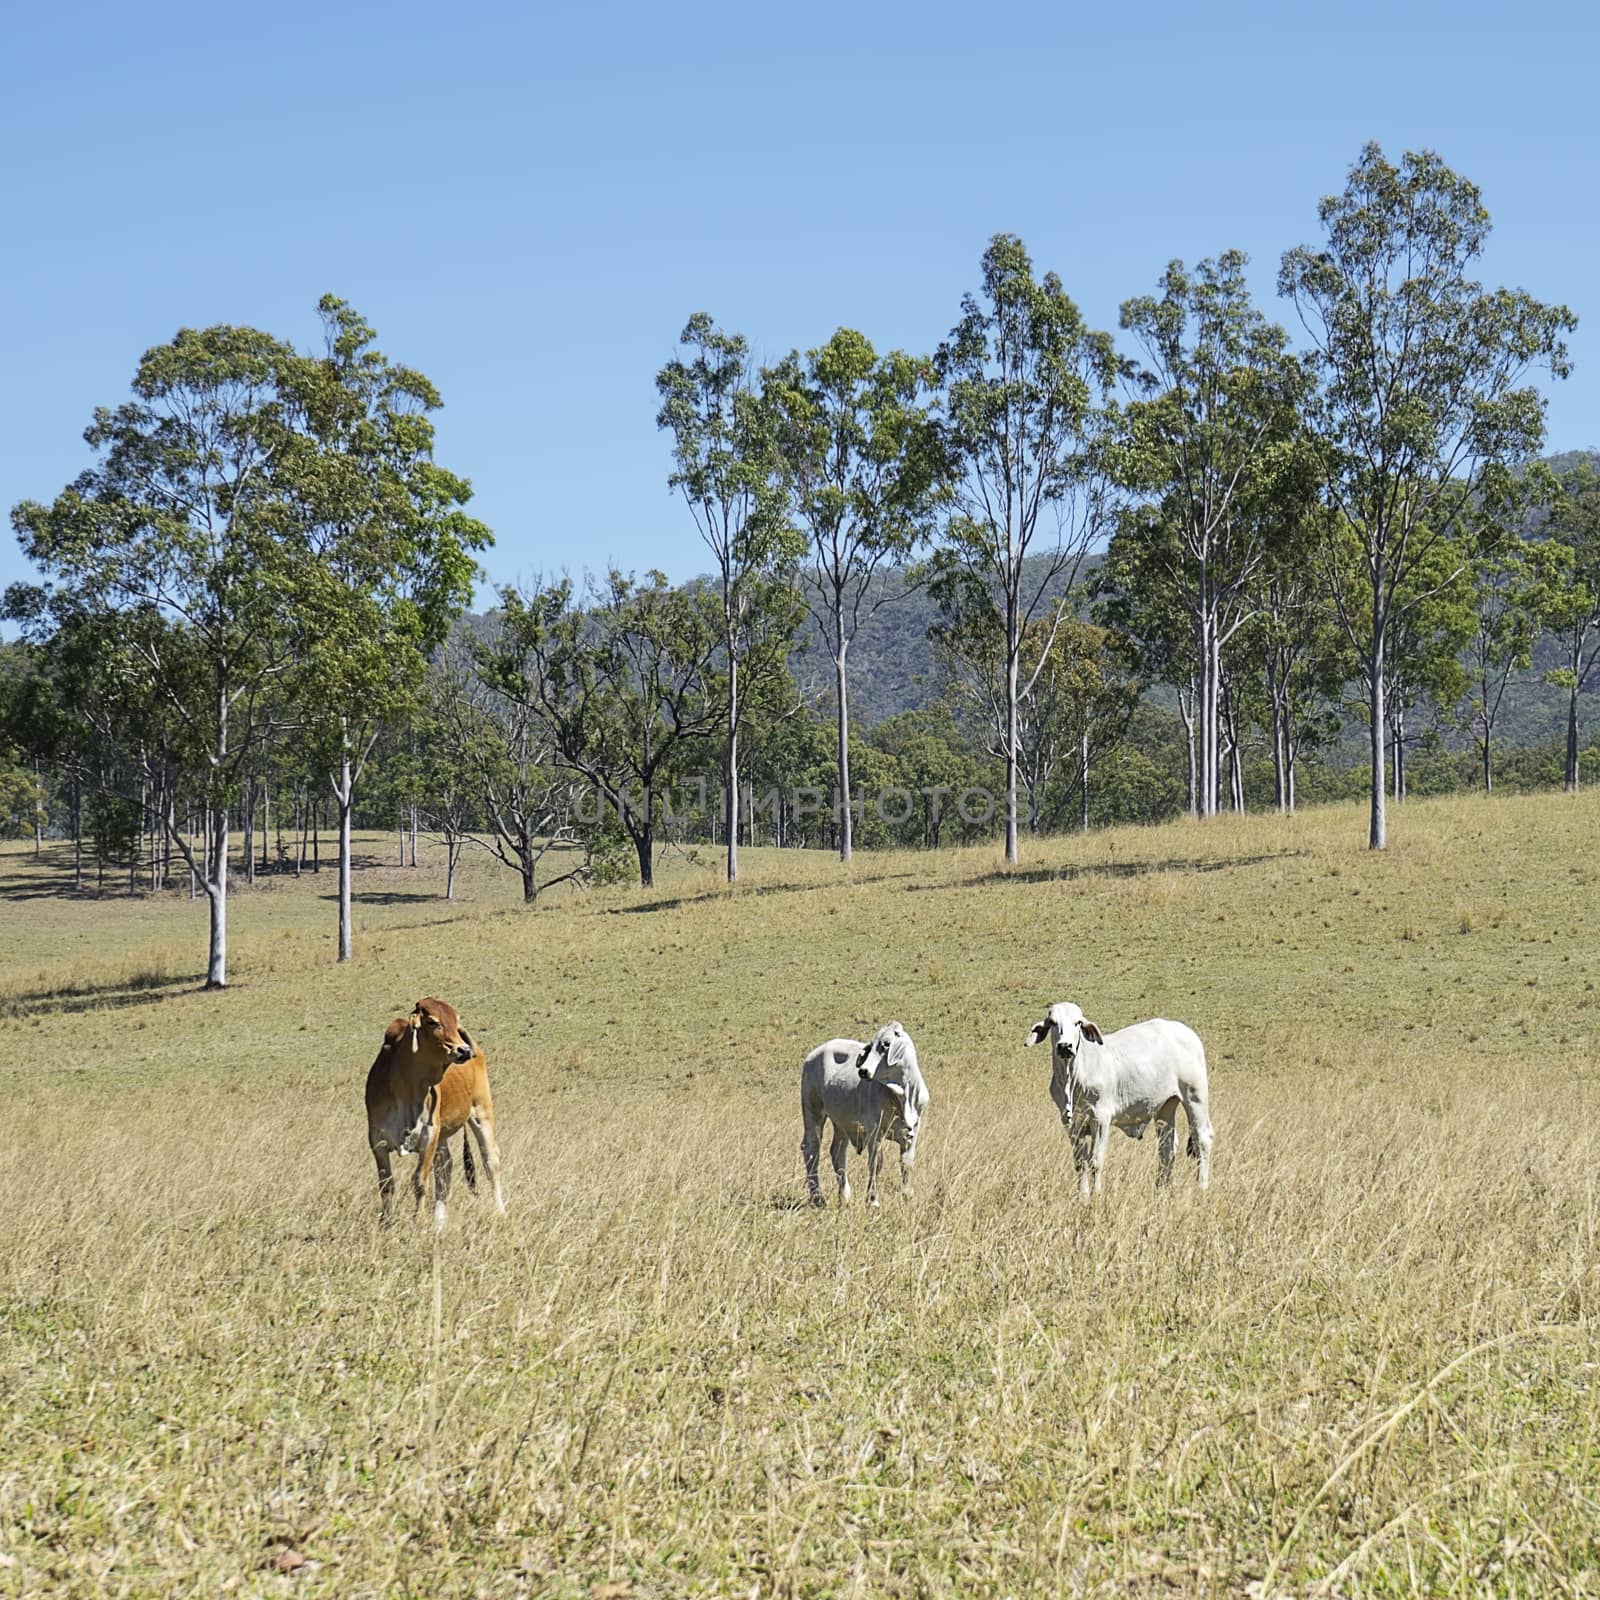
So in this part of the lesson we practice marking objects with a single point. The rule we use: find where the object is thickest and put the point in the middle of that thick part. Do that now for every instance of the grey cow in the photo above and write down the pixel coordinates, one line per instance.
(838, 1087)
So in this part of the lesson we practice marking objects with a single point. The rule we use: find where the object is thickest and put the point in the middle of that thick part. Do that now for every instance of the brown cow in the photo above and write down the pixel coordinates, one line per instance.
(429, 1082)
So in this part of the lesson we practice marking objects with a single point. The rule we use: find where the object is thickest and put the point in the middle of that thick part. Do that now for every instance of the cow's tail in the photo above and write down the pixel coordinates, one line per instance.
(470, 1172)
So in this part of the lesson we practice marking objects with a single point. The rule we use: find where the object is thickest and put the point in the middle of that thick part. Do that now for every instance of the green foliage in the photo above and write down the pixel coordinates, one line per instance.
(1028, 413)
(22, 798)
(388, 550)
(730, 470)
(1520, 587)
(624, 689)
(1424, 410)
(263, 542)
(1219, 449)
(865, 473)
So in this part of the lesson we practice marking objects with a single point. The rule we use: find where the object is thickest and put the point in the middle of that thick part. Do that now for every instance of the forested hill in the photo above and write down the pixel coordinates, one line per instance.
(892, 666)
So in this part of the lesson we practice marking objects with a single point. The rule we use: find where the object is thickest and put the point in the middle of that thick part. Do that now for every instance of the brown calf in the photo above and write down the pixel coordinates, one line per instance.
(429, 1082)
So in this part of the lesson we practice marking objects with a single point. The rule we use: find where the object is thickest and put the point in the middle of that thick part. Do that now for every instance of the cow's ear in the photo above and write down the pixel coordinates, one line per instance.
(1037, 1032)
(1090, 1032)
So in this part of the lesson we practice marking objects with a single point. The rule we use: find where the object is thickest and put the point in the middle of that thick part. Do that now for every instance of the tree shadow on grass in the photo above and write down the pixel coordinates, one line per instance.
(722, 889)
(385, 897)
(142, 989)
(1105, 869)
(49, 877)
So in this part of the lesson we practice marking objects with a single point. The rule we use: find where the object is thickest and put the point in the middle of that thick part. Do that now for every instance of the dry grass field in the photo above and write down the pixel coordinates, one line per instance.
(1366, 1363)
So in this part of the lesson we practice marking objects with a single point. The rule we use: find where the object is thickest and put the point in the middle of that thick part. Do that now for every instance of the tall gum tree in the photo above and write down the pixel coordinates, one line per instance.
(1424, 407)
(1027, 405)
(865, 472)
(389, 553)
(1574, 619)
(1216, 439)
(178, 547)
(727, 466)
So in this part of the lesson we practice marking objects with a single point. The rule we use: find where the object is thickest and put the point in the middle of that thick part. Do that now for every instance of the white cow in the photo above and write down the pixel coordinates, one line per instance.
(1124, 1080)
(837, 1087)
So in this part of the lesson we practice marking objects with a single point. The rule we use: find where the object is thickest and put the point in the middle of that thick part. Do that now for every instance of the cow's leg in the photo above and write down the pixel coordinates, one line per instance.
(811, 1151)
(838, 1150)
(1200, 1135)
(423, 1171)
(481, 1126)
(874, 1162)
(1166, 1140)
(1100, 1137)
(1082, 1145)
(380, 1154)
(908, 1156)
(442, 1167)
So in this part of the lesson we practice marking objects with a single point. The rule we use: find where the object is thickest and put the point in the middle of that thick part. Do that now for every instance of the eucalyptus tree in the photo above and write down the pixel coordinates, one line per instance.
(36, 724)
(727, 466)
(1519, 585)
(503, 771)
(1027, 398)
(1574, 616)
(1425, 657)
(1217, 439)
(1137, 593)
(1424, 407)
(1304, 658)
(450, 729)
(864, 468)
(389, 552)
(177, 546)
(1082, 693)
(623, 687)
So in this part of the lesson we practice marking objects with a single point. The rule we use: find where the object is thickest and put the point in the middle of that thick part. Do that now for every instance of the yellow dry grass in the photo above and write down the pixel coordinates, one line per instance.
(1367, 1362)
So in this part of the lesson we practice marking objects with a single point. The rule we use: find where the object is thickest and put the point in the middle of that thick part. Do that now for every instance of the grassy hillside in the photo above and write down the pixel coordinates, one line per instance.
(1370, 1354)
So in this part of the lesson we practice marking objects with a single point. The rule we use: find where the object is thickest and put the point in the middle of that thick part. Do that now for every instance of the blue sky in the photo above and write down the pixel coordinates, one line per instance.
(529, 202)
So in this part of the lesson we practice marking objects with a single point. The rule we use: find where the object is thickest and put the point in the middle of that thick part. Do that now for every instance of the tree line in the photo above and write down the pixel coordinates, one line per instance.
(253, 596)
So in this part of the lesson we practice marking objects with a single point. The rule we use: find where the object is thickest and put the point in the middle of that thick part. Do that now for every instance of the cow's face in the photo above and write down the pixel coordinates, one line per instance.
(888, 1047)
(1069, 1028)
(436, 1024)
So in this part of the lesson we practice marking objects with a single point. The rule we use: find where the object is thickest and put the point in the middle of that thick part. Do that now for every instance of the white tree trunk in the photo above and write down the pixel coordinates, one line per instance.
(216, 884)
(1377, 832)
(344, 794)
(1013, 651)
(841, 647)
(730, 774)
